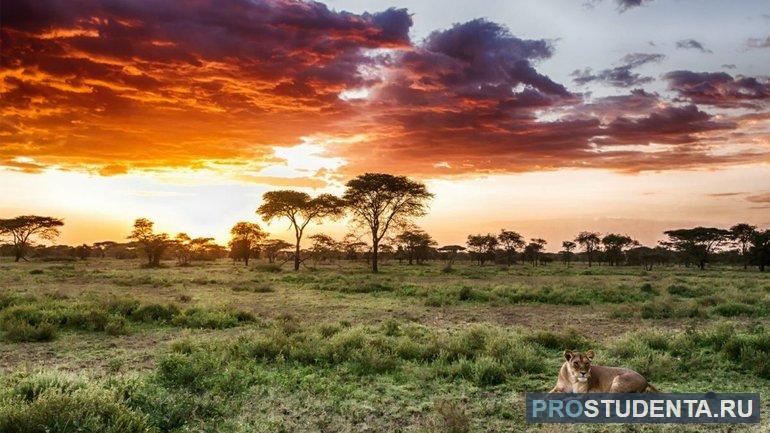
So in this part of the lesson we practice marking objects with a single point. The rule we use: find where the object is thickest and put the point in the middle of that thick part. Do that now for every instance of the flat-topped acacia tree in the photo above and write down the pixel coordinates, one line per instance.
(23, 229)
(299, 208)
(382, 201)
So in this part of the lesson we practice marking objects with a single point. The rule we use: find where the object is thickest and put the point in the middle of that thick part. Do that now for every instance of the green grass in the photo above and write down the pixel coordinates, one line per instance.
(104, 345)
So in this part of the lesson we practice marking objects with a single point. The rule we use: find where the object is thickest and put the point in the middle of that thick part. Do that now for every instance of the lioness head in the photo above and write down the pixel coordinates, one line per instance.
(579, 364)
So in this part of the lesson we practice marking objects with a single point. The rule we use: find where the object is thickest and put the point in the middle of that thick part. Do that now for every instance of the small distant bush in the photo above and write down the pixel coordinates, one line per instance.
(256, 288)
(81, 410)
(116, 326)
(268, 267)
(685, 291)
(18, 331)
(155, 313)
(36, 272)
(732, 309)
(449, 417)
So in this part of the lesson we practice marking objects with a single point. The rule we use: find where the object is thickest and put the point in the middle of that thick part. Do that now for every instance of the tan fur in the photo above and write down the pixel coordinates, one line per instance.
(597, 378)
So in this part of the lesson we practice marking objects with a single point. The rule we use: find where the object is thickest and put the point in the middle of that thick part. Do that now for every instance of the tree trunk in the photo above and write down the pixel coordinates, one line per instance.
(375, 246)
(296, 256)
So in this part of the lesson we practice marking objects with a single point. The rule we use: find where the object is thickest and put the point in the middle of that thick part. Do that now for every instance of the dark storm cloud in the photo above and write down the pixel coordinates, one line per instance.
(620, 76)
(758, 42)
(624, 5)
(720, 89)
(692, 44)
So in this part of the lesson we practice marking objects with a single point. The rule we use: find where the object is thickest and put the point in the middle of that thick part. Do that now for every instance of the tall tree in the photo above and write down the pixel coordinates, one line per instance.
(590, 242)
(533, 249)
(151, 243)
(381, 201)
(299, 208)
(482, 247)
(416, 243)
(759, 251)
(697, 243)
(23, 230)
(742, 234)
(510, 241)
(614, 244)
(567, 253)
(182, 248)
(273, 247)
(244, 239)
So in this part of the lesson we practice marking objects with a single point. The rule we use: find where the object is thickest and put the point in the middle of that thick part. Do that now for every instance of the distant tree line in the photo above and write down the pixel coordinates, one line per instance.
(381, 208)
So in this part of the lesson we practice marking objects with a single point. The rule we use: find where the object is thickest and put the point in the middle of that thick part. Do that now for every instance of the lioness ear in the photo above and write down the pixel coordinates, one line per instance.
(567, 354)
(590, 354)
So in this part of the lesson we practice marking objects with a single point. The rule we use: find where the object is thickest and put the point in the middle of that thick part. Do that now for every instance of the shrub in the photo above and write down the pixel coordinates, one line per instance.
(449, 417)
(488, 371)
(569, 339)
(732, 309)
(155, 313)
(82, 410)
(18, 331)
(268, 267)
(90, 319)
(116, 326)
(199, 318)
(685, 291)
(257, 288)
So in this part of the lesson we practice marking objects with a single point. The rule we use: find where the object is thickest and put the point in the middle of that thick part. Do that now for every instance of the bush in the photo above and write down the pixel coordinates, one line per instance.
(80, 410)
(155, 313)
(212, 319)
(488, 371)
(17, 331)
(569, 339)
(732, 309)
(685, 291)
(257, 288)
(449, 417)
(116, 326)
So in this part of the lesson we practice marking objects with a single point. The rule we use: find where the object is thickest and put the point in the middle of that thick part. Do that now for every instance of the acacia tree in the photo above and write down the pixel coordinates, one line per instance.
(759, 251)
(614, 245)
(153, 244)
(533, 250)
(567, 253)
(381, 201)
(22, 231)
(272, 247)
(589, 241)
(697, 243)
(510, 241)
(742, 234)
(482, 247)
(182, 248)
(324, 247)
(416, 243)
(299, 208)
(451, 254)
(244, 238)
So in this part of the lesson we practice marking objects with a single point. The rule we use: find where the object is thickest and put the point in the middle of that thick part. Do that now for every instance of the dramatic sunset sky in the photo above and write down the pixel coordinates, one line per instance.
(545, 117)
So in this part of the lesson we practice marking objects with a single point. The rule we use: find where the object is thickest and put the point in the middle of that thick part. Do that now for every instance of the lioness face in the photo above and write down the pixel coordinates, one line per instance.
(579, 364)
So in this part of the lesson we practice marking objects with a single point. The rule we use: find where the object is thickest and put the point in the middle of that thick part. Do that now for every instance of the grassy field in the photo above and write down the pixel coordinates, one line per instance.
(104, 345)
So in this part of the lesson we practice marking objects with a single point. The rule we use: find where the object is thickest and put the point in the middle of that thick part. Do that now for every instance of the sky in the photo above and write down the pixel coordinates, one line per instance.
(548, 118)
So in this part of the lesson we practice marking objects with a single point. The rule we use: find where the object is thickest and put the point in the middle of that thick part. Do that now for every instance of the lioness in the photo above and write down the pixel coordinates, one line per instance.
(579, 376)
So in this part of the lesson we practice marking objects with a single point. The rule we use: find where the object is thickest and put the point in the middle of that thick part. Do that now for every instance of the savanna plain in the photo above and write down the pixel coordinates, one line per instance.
(106, 345)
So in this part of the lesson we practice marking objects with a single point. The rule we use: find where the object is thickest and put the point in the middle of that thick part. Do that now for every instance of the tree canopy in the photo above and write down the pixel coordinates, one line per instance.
(300, 209)
(382, 201)
(25, 228)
